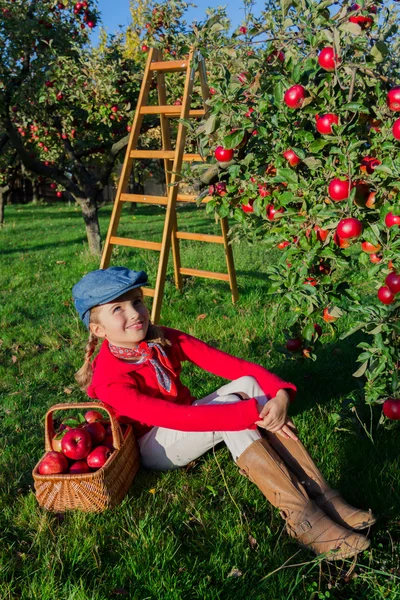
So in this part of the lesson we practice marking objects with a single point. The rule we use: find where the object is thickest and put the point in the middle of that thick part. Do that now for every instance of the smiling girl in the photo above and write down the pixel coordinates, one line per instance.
(137, 372)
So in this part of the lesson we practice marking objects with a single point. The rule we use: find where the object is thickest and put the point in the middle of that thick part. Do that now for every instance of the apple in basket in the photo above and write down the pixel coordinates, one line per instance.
(56, 441)
(76, 443)
(109, 442)
(79, 467)
(91, 416)
(53, 463)
(96, 430)
(98, 457)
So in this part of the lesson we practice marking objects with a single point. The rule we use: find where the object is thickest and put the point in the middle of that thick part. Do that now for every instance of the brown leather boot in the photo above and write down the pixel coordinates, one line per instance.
(300, 462)
(304, 520)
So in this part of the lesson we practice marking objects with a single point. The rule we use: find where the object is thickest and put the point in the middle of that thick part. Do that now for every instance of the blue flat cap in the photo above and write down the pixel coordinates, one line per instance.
(104, 285)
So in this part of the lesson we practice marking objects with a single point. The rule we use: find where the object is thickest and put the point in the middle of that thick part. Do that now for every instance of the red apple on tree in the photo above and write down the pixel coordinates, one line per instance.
(327, 59)
(294, 344)
(393, 99)
(349, 228)
(391, 409)
(370, 248)
(369, 163)
(98, 457)
(292, 158)
(223, 154)
(396, 129)
(324, 123)
(393, 282)
(339, 189)
(283, 245)
(391, 220)
(77, 443)
(374, 258)
(248, 208)
(272, 212)
(53, 463)
(322, 234)
(327, 317)
(385, 295)
(340, 242)
(294, 96)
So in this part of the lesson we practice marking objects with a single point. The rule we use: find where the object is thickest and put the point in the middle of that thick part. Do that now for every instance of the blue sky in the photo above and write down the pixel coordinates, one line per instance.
(116, 12)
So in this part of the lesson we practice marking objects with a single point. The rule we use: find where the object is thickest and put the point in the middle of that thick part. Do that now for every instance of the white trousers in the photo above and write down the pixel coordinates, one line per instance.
(163, 449)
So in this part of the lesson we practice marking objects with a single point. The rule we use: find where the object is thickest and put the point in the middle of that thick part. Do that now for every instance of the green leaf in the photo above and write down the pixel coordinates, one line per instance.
(287, 175)
(285, 5)
(379, 51)
(352, 330)
(360, 372)
(384, 169)
(351, 28)
(278, 92)
(212, 124)
(232, 140)
(318, 145)
(312, 163)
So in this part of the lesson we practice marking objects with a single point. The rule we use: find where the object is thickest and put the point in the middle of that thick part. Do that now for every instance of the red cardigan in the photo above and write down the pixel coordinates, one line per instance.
(132, 389)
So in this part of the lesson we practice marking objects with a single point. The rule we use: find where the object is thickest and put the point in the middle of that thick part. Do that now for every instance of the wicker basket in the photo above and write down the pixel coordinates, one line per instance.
(89, 492)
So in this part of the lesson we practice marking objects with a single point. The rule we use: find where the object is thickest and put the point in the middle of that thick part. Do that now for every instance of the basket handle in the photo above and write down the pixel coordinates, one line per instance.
(49, 425)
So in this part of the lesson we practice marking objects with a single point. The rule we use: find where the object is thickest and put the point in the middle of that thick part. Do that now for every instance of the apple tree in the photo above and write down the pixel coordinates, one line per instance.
(301, 149)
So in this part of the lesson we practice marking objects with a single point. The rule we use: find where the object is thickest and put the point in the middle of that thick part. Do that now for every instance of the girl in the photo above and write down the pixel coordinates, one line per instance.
(137, 372)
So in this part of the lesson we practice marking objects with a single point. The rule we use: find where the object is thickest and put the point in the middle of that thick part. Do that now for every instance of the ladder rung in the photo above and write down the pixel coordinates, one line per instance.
(119, 241)
(199, 237)
(148, 291)
(170, 154)
(170, 111)
(169, 66)
(160, 199)
(207, 274)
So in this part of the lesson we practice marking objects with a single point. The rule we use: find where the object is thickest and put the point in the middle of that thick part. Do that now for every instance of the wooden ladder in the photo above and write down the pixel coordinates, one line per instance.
(172, 166)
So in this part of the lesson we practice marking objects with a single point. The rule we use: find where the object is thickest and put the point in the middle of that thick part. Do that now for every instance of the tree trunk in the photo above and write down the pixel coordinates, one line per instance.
(35, 192)
(91, 219)
(2, 203)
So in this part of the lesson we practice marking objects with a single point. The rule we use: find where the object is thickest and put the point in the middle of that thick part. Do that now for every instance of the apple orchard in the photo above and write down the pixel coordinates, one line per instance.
(301, 151)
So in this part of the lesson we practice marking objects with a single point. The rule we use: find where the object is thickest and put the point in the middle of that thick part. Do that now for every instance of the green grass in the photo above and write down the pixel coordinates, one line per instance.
(177, 535)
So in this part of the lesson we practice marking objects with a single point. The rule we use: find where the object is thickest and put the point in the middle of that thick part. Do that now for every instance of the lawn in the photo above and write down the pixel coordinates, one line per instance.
(203, 532)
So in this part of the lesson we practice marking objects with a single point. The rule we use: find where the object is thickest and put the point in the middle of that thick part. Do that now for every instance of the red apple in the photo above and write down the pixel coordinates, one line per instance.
(78, 467)
(374, 258)
(145, 48)
(339, 189)
(53, 463)
(280, 55)
(248, 208)
(327, 59)
(243, 30)
(93, 415)
(370, 248)
(368, 164)
(349, 228)
(310, 281)
(213, 91)
(339, 242)
(97, 432)
(318, 329)
(272, 212)
(294, 96)
(98, 457)
(393, 282)
(325, 122)
(322, 234)
(223, 155)
(56, 441)
(396, 129)
(242, 77)
(283, 245)
(391, 220)
(109, 442)
(327, 317)
(59, 194)
(393, 99)
(263, 191)
(292, 158)
(294, 344)
(391, 409)
(385, 295)
(77, 443)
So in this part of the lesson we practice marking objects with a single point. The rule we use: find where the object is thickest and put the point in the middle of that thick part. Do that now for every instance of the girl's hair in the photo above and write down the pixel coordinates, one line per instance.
(85, 373)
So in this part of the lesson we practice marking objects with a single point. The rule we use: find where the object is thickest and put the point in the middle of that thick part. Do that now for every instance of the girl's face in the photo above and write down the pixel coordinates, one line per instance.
(123, 321)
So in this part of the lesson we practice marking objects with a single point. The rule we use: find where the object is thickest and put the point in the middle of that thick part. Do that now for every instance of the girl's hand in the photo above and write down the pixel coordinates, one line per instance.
(274, 416)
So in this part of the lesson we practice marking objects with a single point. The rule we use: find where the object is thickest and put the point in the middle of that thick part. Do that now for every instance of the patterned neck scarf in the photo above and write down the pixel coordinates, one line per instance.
(155, 354)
